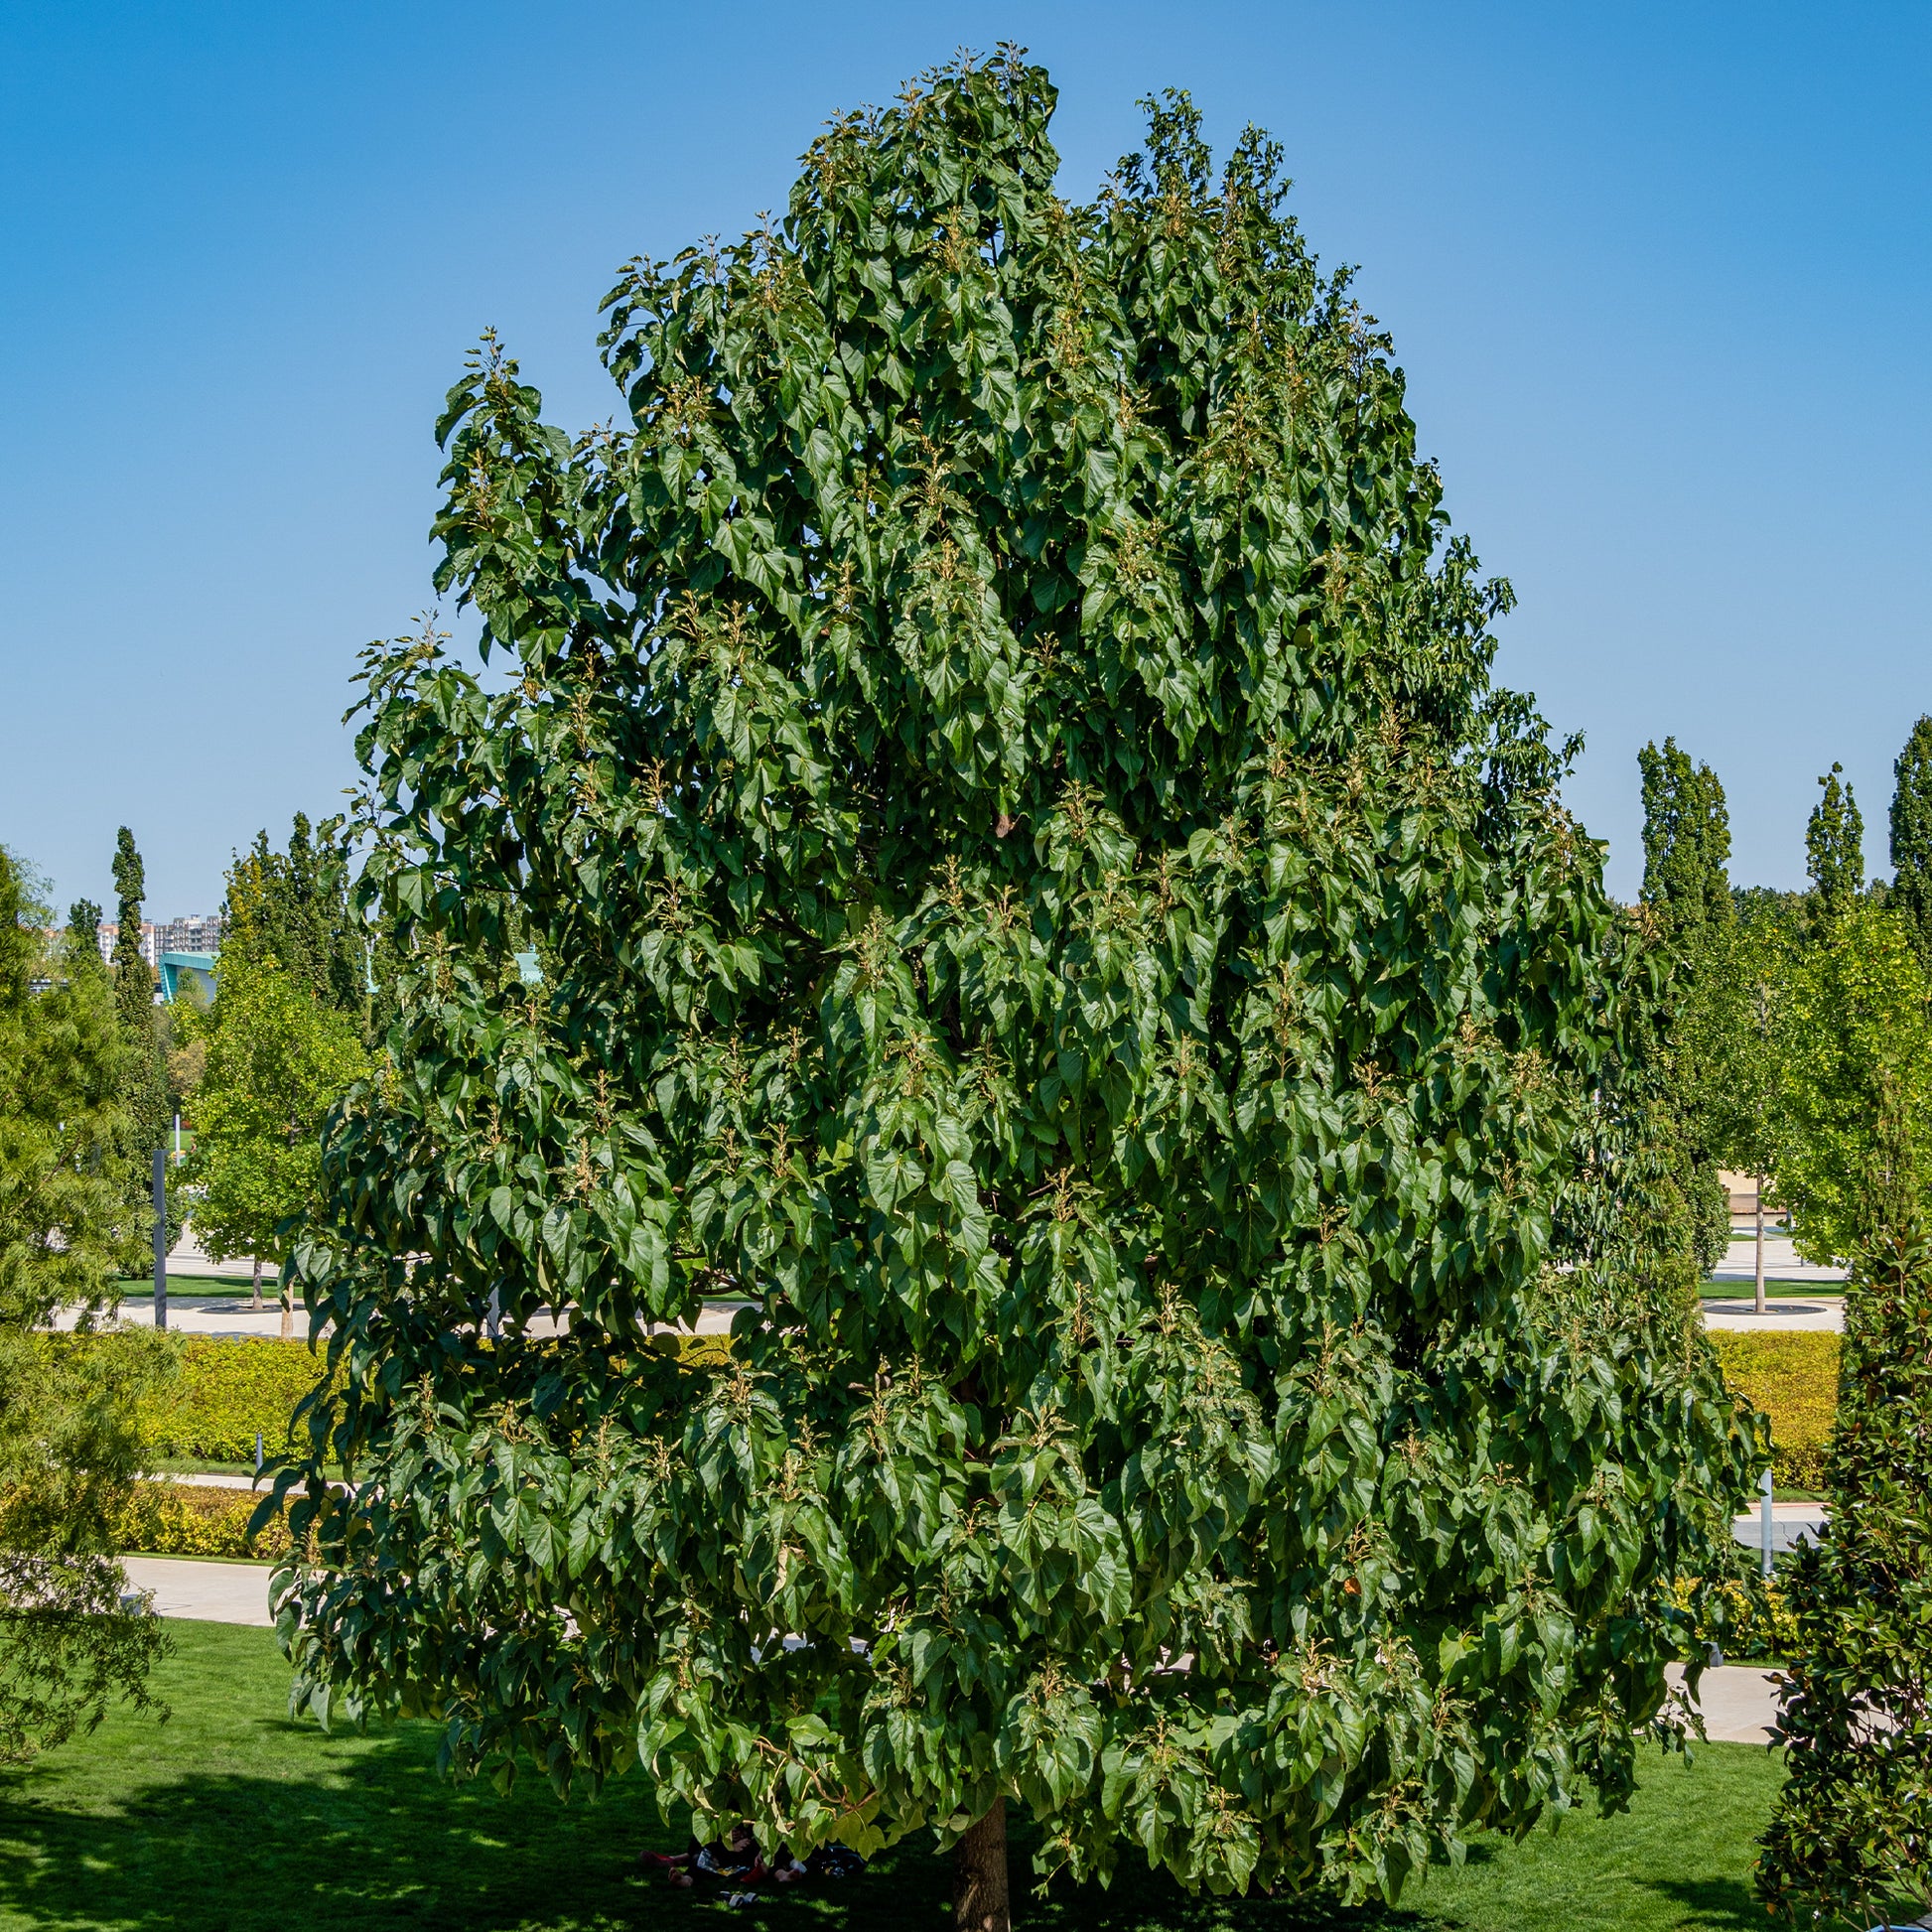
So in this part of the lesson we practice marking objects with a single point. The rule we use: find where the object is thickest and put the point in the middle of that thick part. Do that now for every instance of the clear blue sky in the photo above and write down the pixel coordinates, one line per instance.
(1659, 277)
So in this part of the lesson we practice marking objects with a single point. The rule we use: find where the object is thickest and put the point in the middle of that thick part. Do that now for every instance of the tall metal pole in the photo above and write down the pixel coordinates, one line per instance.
(1766, 1521)
(161, 1237)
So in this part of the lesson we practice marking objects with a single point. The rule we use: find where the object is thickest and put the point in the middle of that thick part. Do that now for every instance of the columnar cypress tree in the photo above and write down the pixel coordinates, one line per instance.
(144, 1069)
(1835, 847)
(1854, 1825)
(1911, 836)
(1035, 890)
(1687, 892)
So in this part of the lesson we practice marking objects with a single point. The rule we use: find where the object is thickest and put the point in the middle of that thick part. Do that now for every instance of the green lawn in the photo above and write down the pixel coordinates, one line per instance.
(230, 1818)
(194, 1286)
(1773, 1290)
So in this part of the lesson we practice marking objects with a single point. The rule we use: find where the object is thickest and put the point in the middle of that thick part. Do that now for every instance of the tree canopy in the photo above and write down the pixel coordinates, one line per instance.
(1034, 891)
(278, 1057)
(1835, 846)
(1911, 837)
(1858, 1047)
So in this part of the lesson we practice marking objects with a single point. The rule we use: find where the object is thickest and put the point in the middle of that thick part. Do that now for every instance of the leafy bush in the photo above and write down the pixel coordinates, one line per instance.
(180, 1519)
(1793, 1378)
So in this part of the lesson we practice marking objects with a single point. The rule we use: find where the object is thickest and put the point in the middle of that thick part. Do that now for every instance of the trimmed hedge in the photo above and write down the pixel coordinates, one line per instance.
(1793, 1378)
(225, 1392)
(180, 1519)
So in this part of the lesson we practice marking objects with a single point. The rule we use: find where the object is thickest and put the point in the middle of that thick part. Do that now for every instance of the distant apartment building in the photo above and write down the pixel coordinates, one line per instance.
(110, 931)
(198, 933)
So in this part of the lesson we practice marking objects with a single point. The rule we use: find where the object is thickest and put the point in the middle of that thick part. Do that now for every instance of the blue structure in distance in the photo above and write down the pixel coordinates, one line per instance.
(197, 967)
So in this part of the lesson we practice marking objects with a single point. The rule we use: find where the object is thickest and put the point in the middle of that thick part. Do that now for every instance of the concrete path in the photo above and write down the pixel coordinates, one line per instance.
(1790, 1524)
(1739, 1706)
(1782, 1262)
(209, 1593)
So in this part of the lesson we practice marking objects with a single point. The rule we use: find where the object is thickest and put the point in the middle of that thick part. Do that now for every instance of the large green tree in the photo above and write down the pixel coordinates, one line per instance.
(68, 1447)
(1033, 887)
(1911, 837)
(1686, 892)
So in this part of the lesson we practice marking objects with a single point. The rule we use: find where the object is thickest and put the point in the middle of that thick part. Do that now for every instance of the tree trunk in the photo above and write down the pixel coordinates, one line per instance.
(258, 1301)
(979, 1875)
(288, 1301)
(1760, 1244)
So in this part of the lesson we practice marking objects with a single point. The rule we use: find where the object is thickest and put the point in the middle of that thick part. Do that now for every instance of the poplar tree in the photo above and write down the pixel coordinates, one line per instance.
(1033, 890)
(144, 1069)
(1834, 847)
(1686, 892)
(1911, 837)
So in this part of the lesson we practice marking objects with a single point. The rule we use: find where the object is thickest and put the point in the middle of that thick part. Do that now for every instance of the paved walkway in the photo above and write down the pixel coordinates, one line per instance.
(208, 1592)
(1739, 1706)
(1791, 1523)
(1782, 1262)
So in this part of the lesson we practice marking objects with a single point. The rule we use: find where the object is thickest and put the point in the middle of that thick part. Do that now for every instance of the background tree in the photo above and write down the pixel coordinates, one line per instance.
(1033, 887)
(1687, 891)
(293, 907)
(1858, 1046)
(1911, 837)
(146, 1113)
(68, 1447)
(1731, 1040)
(1854, 1816)
(1835, 847)
(277, 1058)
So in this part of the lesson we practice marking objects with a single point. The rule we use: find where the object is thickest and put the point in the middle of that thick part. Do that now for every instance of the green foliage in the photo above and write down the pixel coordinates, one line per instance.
(145, 1108)
(1686, 892)
(224, 1394)
(1032, 885)
(180, 1519)
(1859, 1043)
(1791, 1378)
(293, 907)
(278, 1058)
(1686, 843)
(1732, 1039)
(1852, 1825)
(69, 1446)
(1911, 838)
(1835, 847)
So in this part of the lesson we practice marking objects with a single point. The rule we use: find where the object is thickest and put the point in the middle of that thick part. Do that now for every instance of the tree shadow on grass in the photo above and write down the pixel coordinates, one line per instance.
(364, 1834)
(1723, 1904)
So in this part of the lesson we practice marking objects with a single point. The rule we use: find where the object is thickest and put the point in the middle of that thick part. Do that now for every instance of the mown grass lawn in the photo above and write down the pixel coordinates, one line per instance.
(230, 1818)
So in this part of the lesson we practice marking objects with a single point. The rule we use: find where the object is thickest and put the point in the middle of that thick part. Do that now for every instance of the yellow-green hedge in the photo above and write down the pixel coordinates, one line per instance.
(225, 1392)
(180, 1519)
(1793, 1378)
